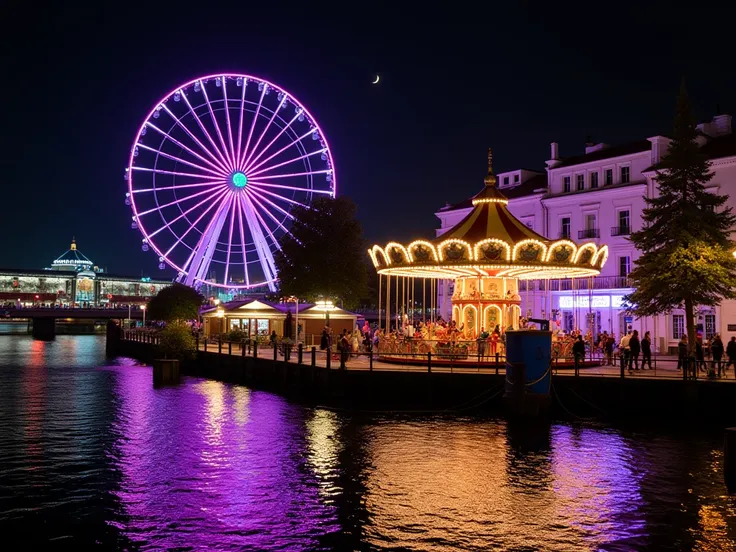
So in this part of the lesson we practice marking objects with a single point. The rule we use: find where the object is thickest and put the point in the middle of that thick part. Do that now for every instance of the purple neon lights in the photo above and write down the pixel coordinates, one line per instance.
(191, 211)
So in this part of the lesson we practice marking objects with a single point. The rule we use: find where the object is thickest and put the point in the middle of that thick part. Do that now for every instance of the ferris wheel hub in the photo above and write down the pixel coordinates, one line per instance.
(239, 180)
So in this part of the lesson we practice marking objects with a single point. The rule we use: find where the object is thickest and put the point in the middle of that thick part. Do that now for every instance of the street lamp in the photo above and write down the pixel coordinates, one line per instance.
(326, 306)
(143, 308)
(294, 299)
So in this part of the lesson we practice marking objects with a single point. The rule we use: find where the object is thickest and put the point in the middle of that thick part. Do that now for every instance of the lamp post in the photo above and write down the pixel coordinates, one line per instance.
(143, 308)
(326, 306)
(295, 299)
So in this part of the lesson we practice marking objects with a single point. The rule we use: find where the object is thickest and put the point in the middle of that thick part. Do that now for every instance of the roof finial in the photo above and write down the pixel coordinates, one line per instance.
(74, 244)
(490, 180)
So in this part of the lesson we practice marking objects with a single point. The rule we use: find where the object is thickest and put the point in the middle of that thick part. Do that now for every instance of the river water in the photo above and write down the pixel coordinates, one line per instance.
(92, 454)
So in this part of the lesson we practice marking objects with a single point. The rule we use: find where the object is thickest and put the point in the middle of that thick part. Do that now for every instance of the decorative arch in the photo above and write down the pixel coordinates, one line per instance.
(586, 254)
(514, 316)
(492, 249)
(419, 248)
(470, 321)
(376, 250)
(562, 251)
(530, 250)
(396, 253)
(488, 321)
(456, 314)
(601, 257)
(454, 250)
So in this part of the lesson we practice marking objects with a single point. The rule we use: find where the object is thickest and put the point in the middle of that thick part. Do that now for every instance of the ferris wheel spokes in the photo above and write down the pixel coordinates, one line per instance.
(230, 239)
(167, 136)
(219, 162)
(227, 118)
(242, 239)
(262, 198)
(268, 146)
(180, 200)
(268, 266)
(282, 198)
(252, 126)
(217, 126)
(272, 167)
(281, 187)
(204, 130)
(171, 173)
(217, 201)
(179, 159)
(205, 248)
(265, 128)
(282, 150)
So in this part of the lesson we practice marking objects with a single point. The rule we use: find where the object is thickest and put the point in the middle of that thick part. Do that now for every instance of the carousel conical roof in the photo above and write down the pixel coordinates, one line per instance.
(490, 241)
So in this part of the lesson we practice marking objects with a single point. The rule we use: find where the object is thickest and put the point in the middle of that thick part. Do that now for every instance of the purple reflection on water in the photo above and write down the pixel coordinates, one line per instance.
(597, 483)
(207, 462)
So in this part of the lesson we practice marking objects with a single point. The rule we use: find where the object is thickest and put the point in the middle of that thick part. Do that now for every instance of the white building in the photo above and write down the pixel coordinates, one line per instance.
(599, 195)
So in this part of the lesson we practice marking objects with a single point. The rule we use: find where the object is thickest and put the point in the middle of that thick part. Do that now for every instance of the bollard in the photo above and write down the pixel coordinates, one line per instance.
(196, 342)
(328, 361)
(299, 353)
(219, 346)
(729, 459)
(229, 348)
(242, 348)
(275, 352)
(205, 344)
(370, 360)
(429, 362)
(255, 349)
(623, 367)
(314, 356)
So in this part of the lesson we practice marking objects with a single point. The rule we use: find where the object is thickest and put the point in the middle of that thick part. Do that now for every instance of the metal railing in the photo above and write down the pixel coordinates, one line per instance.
(589, 233)
(620, 230)
(598, 282)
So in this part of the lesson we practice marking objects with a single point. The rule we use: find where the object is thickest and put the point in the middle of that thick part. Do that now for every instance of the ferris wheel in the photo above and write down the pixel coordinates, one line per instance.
(214, 172)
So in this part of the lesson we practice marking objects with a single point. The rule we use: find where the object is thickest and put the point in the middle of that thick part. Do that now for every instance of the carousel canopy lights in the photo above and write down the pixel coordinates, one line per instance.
(490, 241)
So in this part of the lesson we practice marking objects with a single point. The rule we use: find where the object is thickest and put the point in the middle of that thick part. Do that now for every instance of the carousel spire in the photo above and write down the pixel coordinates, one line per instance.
(490, 179)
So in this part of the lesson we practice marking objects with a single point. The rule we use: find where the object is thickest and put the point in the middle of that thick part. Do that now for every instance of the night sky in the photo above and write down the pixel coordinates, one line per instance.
(76, 83)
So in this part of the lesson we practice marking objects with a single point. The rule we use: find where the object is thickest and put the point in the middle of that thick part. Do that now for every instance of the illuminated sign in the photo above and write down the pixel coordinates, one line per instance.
(599, 302)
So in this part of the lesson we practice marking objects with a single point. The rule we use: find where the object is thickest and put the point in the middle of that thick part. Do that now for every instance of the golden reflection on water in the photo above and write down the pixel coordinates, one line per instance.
(323, 450)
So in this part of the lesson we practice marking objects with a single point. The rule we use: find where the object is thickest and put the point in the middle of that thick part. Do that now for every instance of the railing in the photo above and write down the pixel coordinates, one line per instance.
(565, 235)
(461, 357)
(589, 233)
(599, 282)
(620, 230)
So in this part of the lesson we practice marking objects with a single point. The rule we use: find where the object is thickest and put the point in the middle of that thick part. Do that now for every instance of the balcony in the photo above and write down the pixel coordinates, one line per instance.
(589, 233)
(621, 230)
(598, 282)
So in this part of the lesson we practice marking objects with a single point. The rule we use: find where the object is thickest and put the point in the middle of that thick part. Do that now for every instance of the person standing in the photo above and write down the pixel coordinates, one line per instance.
(482, 341)
(716, 349)
(624, 351)
(578, 352)
(682, 353)
(610, 344)
(731, 354)
(646, 351)
(634, 350)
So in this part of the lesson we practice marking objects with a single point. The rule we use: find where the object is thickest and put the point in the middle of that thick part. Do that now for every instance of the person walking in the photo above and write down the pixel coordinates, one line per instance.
(634, 350)
(716, 349)
(610, 344)
(646, 351)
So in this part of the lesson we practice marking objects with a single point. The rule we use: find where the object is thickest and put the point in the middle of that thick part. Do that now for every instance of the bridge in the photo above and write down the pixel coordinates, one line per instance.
(44, 318)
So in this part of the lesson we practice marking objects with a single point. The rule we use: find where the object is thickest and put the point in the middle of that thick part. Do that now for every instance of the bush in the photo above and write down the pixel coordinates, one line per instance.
(236, 335)
(177, 341)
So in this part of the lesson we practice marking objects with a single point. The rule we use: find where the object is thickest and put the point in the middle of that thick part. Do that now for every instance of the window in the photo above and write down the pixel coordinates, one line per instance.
(566, 184)
(624, 266)
(710, 325)
(678, 326)
(594, 180)
(516, 179)
(624, 220)
(609, 177)
(505, 180)
(565, 227)
(625, 175)
(581, 182)
(590, 221)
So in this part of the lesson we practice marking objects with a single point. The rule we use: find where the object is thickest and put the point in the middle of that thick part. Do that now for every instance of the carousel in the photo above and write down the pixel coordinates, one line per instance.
(486, 255)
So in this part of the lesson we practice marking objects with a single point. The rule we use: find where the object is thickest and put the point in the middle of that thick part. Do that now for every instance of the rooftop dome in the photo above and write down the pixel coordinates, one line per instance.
(72, 259)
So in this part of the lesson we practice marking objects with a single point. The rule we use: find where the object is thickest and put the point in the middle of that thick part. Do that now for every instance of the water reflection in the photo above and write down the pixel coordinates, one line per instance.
(92, 454)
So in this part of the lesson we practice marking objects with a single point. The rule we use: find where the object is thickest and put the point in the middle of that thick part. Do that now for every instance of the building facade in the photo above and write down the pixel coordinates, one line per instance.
(599, 195)
(73, 280)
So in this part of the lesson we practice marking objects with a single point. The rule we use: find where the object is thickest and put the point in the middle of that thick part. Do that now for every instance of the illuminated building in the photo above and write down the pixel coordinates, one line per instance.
(74, 280)
(599, 196)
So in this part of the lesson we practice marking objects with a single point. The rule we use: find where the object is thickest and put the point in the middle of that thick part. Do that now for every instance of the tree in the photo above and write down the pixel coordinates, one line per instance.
(687, 253)
(175, 303)
(323, 254)
(177, 341)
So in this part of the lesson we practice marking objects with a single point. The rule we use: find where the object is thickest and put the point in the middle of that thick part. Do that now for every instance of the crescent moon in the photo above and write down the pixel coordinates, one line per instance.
(378, 77)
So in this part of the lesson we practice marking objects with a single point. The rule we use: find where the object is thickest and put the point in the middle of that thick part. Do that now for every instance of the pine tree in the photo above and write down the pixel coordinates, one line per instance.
(687, 253)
